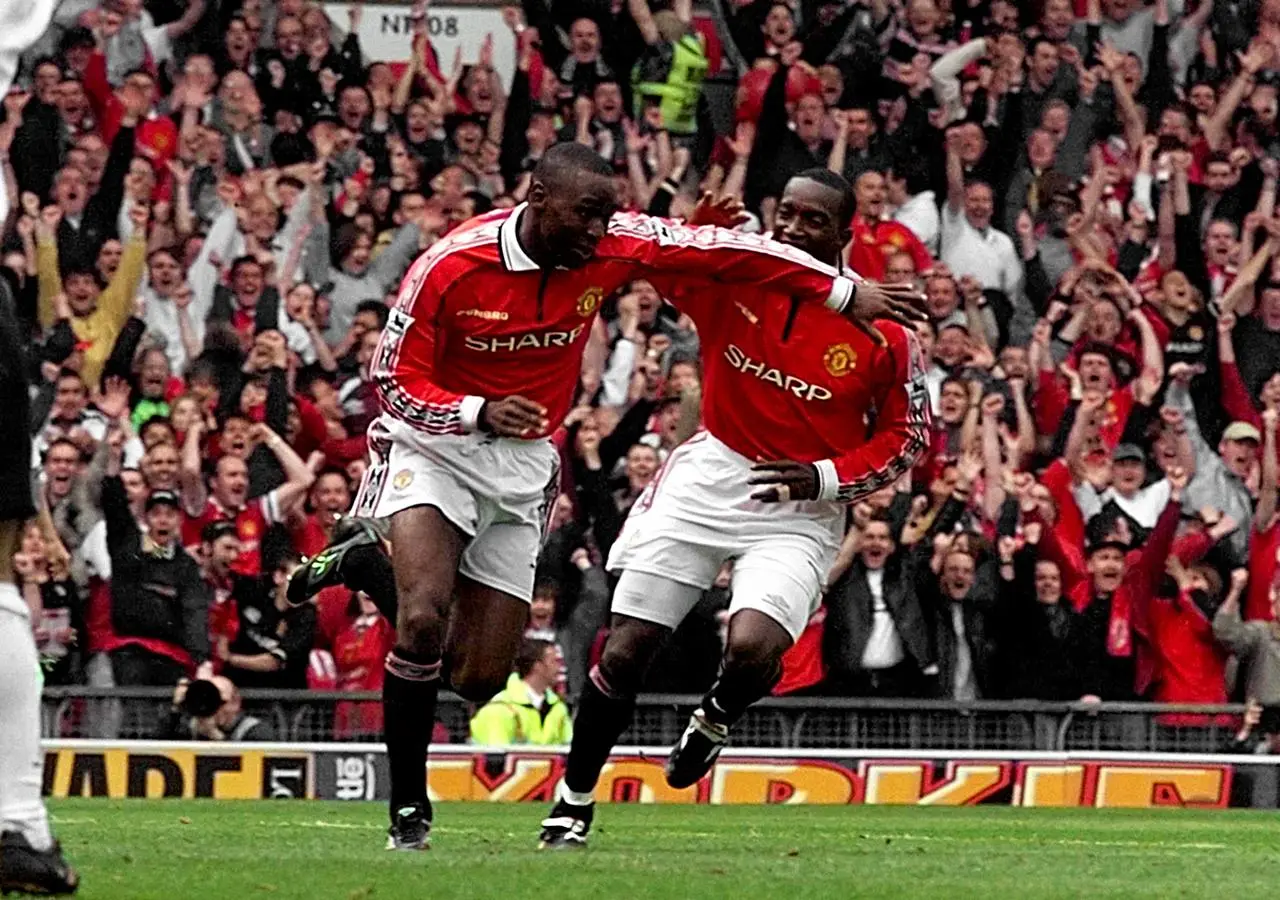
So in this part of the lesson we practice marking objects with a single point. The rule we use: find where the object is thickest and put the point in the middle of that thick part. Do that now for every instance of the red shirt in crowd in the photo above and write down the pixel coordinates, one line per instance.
(1191, 665)
(1263, 547)
(224, 616)
(359, 654)
(1052, 401)
(156, 137)
(874, 242)
(310, 536)
(251, 522)
(478, 319)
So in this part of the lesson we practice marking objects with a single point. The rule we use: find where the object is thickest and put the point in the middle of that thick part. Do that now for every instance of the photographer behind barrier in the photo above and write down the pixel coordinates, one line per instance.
(210, 710)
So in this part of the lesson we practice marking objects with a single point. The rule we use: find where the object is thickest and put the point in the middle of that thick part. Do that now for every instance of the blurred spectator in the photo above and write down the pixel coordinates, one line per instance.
(226, 721)
(272, 639)
(528, 711)
(358, 654)
(159, 602)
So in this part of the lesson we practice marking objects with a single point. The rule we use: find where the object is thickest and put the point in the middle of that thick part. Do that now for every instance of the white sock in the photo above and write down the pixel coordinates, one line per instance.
(576, 798)
(21, 759)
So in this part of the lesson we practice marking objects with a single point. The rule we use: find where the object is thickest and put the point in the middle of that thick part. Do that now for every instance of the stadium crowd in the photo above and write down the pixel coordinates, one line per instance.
(215, 200)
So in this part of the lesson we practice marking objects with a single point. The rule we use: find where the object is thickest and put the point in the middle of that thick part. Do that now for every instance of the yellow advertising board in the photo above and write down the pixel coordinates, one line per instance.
(359, 772)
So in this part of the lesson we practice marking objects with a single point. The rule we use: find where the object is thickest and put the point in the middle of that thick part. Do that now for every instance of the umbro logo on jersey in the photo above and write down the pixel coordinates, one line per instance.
(493, 315)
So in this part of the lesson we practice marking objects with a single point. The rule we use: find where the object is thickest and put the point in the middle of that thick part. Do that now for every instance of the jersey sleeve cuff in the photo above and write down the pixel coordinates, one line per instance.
(841, 296)
(828, 480)
(469, 411)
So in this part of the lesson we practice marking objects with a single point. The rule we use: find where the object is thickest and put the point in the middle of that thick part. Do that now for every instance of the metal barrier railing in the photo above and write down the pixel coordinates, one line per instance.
(782, 723)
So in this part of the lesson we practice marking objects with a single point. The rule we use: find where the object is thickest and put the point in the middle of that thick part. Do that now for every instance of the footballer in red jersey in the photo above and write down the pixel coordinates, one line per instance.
(803, 412)
(479, 360)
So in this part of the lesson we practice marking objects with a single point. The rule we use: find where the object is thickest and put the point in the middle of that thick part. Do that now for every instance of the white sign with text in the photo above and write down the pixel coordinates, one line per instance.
(386, 33)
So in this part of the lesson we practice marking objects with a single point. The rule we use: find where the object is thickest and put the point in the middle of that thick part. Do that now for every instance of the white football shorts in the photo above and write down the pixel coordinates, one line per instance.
(498, 491)
(697, 513)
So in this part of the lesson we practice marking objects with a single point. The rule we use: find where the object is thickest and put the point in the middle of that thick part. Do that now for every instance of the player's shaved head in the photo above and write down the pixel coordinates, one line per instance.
(837, 183)
(814, 214)
(565, 163)
(572, 196)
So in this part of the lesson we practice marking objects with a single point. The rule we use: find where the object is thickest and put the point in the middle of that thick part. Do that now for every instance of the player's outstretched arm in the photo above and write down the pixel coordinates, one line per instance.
(900, 438)
(678, 254)
(674, 255)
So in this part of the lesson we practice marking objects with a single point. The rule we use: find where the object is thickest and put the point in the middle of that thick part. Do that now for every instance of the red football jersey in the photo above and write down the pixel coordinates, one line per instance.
(874, 242)
(251, 523)
(477, 319)
(786, 380)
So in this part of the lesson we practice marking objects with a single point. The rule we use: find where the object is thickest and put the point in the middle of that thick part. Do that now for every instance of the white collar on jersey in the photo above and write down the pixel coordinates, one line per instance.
(514, 257)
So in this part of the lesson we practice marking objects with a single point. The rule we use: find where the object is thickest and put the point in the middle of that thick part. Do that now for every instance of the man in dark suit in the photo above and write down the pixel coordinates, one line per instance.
(959, 606)
(876, 639)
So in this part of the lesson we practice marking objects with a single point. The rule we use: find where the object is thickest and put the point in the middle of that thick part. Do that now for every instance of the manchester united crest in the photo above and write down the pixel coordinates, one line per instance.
(403, 479)
(589, 302)
(840, 359)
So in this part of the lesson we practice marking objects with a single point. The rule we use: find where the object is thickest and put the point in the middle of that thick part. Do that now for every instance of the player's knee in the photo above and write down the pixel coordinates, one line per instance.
(477, 684)
(418, 628)
(622, 669)
(748, 657)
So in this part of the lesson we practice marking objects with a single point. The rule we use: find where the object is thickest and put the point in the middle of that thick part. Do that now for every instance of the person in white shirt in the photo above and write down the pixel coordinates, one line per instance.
(914, 205)
(876, 641)
(972, 246)
(1128, 471)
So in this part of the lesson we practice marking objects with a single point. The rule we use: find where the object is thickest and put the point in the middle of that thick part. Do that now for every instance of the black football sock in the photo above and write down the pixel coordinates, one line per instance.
(602, 716)
(409, 714)
(368, 569)
(735, 690)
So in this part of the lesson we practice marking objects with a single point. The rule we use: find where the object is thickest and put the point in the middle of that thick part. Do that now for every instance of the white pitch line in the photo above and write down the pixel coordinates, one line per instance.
(1064, 842)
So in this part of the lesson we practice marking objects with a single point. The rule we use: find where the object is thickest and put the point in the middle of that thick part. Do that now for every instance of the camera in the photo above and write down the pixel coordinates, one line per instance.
(202, 699)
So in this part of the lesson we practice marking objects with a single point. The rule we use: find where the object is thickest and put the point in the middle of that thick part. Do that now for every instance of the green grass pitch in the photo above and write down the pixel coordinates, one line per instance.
(243, 850)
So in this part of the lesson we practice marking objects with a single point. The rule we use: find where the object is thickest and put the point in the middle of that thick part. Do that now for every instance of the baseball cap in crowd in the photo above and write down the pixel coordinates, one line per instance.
(163, 498)
(1128, 453)
(1242, 431)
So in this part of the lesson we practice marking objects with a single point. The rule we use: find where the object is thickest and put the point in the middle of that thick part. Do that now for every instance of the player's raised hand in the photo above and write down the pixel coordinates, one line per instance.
(901, 303)
(783, 480)
(514, 416)
(726, 212)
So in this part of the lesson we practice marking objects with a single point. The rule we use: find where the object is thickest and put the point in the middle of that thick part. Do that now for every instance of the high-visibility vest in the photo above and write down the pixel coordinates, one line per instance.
(678, 94)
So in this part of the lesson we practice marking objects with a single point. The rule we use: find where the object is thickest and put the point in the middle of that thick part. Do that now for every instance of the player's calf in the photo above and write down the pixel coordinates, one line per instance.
(752, 666)
(425, 584)
(604, 712)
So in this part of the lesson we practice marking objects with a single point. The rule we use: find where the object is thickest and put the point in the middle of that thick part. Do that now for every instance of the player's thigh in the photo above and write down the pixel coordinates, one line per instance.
(630, 649)
(486, 627)
(755, 641)
(781, 578)
(425, 551)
